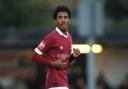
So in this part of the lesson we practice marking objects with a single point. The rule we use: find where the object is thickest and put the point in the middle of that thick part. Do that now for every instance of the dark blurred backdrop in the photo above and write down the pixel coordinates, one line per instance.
(24, 22)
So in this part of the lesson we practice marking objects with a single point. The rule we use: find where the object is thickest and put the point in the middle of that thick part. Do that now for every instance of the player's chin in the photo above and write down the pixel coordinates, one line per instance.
(64, 27)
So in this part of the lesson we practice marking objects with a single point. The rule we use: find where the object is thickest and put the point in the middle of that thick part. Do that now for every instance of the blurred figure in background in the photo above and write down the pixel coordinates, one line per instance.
(80, 83)
(19, 83)
(124, 84)
(1, 87)
(102, 83)
(55, 50)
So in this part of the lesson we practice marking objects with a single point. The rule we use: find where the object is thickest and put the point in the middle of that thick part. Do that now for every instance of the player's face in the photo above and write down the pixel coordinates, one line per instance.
(62, 20)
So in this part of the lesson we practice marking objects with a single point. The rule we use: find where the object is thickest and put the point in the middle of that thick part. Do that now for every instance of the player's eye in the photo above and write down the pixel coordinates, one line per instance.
(66, 17)
(60, 17)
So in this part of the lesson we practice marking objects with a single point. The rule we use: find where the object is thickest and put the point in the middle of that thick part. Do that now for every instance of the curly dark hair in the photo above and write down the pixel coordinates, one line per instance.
(61, 8)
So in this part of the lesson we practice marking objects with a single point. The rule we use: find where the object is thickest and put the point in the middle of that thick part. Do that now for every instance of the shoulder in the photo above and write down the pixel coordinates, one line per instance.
(51, 35)
(70, 35)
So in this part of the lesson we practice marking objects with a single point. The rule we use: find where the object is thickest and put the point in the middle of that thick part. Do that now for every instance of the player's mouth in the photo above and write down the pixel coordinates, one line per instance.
(64, 24)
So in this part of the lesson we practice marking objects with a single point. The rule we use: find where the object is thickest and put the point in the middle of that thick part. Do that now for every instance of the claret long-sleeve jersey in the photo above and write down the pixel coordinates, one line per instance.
(54, 46)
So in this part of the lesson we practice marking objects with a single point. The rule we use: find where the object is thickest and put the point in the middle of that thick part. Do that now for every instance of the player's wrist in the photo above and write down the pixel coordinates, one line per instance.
(72, 57)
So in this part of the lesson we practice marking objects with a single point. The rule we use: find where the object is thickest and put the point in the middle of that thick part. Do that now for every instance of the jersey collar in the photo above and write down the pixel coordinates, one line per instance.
(60, 32)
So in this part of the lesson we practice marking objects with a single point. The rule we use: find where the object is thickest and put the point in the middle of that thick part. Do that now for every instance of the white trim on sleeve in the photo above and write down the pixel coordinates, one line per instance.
(38, 51)
(63, 87)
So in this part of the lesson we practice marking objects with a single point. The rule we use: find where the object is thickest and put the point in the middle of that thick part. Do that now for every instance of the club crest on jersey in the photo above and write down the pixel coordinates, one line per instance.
(61, 47)
(41, 45)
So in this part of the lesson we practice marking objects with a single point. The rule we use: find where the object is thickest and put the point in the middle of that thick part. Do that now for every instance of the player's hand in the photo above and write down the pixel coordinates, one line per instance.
(58, 64)
(76, 52)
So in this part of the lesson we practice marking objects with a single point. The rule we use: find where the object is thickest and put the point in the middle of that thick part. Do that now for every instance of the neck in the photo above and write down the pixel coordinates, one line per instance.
(64, 31)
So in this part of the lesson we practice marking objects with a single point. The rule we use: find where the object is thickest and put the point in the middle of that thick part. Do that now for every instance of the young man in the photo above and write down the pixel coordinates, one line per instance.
(55, 50)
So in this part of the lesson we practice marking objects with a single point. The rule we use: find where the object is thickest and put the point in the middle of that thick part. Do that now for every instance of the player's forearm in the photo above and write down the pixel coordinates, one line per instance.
(39, 59)
(74, 55)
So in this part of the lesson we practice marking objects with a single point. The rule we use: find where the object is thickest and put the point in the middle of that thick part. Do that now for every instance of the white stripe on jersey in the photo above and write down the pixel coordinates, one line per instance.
(38, 51)
(63, 87)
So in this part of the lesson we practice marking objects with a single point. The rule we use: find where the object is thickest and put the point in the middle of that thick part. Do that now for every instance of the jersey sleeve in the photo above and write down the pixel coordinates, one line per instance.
(40, 59)
(43, 45)
(39, 52)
